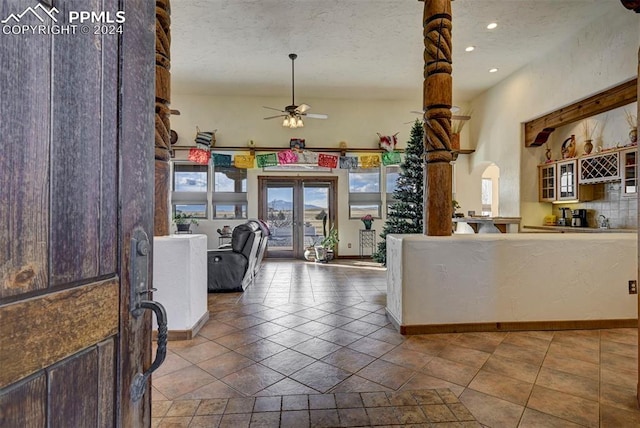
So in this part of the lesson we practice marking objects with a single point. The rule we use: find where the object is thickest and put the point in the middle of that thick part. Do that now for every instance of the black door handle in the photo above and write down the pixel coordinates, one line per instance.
(140, 380)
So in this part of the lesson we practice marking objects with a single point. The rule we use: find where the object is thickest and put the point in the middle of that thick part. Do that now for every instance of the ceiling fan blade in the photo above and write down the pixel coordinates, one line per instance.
(303, 108)
(273, 117)
(316, 116)
(276, 109)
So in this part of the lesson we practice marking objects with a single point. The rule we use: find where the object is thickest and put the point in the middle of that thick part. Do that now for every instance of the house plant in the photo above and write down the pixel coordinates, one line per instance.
(367, 220)
(184, 221)
(326, 247)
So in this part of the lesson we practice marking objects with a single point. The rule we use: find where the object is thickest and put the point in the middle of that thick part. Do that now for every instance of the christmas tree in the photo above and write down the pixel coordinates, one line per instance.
(405, 215)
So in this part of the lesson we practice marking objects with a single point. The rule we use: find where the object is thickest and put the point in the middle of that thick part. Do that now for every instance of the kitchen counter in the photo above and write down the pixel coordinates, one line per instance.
(499, 224)
(568, 229)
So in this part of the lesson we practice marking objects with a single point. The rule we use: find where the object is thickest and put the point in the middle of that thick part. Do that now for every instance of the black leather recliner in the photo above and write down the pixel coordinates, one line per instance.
(233, 268)
(262, 247)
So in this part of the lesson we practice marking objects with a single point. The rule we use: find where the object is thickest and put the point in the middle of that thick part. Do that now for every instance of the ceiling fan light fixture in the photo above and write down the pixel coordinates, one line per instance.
(300, 123)
(285, 122)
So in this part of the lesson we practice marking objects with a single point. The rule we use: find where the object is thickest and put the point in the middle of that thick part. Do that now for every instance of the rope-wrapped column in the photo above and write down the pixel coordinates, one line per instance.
(163, 113)
(437, 99)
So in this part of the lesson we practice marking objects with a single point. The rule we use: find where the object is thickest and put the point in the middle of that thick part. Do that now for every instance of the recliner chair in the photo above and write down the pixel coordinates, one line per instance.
(232, 269)
(262, 248)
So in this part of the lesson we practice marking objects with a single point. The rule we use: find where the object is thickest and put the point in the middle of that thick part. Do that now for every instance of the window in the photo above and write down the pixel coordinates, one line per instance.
(392, 173)
(190, 178)
(229, 196)
(190, 183)
(364, 192)
(487, 195)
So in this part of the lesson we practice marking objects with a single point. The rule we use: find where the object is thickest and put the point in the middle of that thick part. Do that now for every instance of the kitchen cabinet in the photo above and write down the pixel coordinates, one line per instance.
(629, 165)
(567, 182)
(547, 182)
(558, 182)
(600, 168)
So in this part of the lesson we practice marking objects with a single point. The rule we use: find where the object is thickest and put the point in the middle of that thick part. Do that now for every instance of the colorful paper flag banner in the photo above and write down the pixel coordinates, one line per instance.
(287, 156)
(348, 162)
(370, 161)
(243, 161)
(308, 157)
(221, 160)
(270, 159)
(391, 158)
(328, 161)
(199, 156)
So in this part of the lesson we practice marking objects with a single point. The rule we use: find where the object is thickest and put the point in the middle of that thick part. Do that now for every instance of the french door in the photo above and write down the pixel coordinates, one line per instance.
(300, 211)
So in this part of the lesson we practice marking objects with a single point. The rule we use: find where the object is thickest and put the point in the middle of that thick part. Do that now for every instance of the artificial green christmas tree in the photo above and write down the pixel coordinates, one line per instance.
(405, 215)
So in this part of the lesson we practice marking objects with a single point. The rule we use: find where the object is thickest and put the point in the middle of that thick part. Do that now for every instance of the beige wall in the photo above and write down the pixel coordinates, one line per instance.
(600, 56)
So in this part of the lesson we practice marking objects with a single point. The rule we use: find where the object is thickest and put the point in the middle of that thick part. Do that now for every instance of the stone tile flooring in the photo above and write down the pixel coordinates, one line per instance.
(309, 345)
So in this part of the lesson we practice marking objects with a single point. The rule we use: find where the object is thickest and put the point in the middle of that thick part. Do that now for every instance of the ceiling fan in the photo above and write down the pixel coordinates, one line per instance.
(293, 113)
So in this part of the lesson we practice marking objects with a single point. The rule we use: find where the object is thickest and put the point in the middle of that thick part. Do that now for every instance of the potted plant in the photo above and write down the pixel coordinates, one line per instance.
(184, 221)
(330, 242)
(367, 220)
(325, 249)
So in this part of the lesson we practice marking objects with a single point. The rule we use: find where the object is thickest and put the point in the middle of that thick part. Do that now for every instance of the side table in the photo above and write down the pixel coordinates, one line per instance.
(367, 242)
(224, 239)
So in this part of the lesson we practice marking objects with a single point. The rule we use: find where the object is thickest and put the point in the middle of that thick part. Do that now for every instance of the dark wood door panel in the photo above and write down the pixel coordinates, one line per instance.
(25, 97)
(76, 164)
(67, 394)
(23, 405)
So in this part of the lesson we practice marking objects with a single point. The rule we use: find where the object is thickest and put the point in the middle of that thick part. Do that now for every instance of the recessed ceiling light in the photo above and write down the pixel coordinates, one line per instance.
(493, 70)
(470, 48)
(492, 26)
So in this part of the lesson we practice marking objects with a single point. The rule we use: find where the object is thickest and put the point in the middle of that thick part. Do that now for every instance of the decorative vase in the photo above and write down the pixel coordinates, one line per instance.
(633, 135)
(321, 254)
(367, 224)
(548, 155)
(588, 146)
(309, 254)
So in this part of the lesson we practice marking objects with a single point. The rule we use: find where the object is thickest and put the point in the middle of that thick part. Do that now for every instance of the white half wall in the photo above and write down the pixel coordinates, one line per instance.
(495, 278)
(180, 276)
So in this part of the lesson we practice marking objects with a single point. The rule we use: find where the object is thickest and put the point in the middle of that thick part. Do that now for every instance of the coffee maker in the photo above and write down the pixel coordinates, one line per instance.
(564, 220)
(579, 218)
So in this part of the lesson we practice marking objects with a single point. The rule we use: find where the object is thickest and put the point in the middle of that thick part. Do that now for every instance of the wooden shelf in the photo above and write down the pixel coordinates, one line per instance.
(277, 149)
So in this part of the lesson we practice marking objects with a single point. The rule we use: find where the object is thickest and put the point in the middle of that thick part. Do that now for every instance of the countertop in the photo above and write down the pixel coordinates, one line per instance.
(496, 220)
(568, 229)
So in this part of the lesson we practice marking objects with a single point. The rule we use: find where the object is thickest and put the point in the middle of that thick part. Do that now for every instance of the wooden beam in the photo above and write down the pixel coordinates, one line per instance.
(537, 131)
(75, 319)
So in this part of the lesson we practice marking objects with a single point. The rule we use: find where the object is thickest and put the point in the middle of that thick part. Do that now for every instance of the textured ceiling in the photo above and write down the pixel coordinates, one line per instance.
(366, 49)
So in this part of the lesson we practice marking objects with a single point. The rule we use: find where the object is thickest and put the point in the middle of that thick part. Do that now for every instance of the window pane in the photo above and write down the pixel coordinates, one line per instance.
(229, 179)
(393, 172)
(359, 211)
(230, 211)
(364, 180)
(195, 210)
(189, 178)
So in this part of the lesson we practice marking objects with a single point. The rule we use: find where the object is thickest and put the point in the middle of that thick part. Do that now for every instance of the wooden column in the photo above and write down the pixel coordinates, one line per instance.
(437, 90)
(635, 6)
(163, 113)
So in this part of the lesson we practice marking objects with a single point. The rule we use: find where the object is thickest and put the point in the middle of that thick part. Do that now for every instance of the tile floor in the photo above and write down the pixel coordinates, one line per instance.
(310, 345)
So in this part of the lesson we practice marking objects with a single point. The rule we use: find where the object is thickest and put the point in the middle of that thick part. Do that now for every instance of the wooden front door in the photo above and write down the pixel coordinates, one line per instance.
(76, 185)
